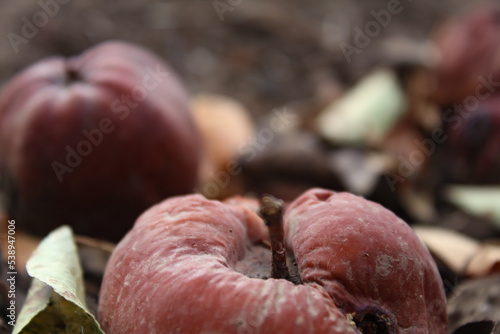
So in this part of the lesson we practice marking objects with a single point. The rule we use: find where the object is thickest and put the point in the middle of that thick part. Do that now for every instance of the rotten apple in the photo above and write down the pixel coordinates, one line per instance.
(341, 264)
(94, 140)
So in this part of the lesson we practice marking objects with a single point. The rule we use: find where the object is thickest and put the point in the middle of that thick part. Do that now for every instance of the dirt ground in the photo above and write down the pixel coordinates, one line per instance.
(265, 54)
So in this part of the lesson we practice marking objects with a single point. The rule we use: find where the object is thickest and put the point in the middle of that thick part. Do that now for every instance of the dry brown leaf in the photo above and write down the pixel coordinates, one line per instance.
(454, 249)
(486, 261)
(420, 204)
(474, 300)
(224, 125)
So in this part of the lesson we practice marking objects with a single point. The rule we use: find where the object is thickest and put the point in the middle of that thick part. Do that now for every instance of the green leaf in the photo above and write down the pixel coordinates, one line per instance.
(480, 201)
(366, 113)
(56, 299)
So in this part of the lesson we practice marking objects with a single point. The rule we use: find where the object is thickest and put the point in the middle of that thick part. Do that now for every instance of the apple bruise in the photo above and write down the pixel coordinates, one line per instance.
(191, 265)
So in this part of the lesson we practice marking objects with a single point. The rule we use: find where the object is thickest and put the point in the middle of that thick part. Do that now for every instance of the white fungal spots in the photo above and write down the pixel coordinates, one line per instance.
(384, 265)
(280, 297)
(268, 301)
(349, 275)
(172, 217)
(312, 310)
(374, 208)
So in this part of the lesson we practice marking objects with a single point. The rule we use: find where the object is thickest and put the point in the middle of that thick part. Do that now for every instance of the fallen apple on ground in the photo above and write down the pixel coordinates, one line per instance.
(474, 144)
(466, 67)
(93, 140)
(192, 265)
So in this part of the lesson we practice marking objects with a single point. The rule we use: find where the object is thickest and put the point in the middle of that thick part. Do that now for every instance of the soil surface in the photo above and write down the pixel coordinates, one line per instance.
(265, 54)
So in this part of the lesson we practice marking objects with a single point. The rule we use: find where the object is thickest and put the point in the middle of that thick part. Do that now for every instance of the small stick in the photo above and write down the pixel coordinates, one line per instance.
(272, 211)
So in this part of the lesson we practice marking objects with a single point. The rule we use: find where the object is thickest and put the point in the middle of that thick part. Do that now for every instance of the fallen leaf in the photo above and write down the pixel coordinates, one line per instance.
(485, 261)
(418, 202)
(454, 249)
(474, 300)
(225, 126)
(482, 201)
(359, 171)
(366, 113)
(56, 299)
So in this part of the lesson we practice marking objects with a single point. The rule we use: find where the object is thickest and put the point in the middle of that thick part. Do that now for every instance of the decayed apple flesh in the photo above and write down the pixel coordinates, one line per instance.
(191, 265)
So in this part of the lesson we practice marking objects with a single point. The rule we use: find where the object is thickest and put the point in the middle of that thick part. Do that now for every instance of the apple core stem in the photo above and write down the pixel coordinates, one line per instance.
(272, 211)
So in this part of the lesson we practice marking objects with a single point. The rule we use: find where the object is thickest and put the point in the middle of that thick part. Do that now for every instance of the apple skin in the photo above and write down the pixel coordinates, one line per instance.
(147, 149)
(192, 265)
(367, 259)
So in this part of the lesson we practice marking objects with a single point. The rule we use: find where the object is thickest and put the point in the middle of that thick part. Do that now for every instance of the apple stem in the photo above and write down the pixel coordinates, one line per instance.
(272, 211)
(72, 74)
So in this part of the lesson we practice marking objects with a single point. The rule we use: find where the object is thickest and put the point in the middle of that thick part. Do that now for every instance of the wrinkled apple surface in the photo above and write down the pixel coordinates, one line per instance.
(191, 265)
(92, 141)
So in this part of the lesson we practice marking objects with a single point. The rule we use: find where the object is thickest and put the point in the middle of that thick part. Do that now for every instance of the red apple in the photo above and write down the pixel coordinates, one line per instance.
(468, 50)
(94, 140)
(192, 265)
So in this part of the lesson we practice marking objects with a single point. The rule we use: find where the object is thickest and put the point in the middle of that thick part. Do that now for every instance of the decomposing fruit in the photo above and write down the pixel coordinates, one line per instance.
(94, 140)
(192, 265)
(467, 65)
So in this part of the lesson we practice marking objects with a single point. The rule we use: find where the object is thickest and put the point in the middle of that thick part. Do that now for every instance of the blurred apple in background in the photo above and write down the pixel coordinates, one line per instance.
(467, 76)
(93, 140)
(468, 55)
